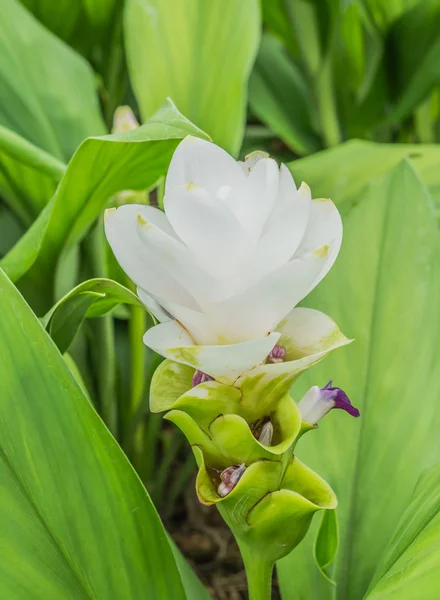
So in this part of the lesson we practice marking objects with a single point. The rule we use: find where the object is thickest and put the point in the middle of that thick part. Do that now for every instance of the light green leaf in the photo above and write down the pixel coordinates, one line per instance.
(327, 541)
(342, 172)
(192, 584)
(92, 298)
(415, 574)
(279, 96)
(384, 291)
(76, 520)
(28, 175)
(199, 54)
(423, 508)
(101, 167)
(47, 91)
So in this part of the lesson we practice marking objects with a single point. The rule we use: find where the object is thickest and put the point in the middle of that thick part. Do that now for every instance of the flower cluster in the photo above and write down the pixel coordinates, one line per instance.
(222, 270)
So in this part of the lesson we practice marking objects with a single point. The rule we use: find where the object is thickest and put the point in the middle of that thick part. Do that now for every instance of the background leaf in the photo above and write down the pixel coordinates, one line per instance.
(383, 291)
(279, 96)
(47, 91)
(28, 175)
(199, 54)
(76, 521)
(421, 511)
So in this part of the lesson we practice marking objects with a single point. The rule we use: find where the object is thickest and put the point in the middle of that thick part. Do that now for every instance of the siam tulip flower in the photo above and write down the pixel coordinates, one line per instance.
(222, 270)
(238, 246)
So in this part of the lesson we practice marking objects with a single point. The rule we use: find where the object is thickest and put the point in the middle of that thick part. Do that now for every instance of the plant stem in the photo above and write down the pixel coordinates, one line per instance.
(258, 573)
(137, 326)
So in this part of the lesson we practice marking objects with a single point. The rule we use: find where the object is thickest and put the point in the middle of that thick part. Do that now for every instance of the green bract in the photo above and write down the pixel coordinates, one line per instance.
(272, 505)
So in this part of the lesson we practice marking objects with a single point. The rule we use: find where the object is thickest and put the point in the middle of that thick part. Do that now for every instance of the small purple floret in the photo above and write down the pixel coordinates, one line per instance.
(277, 354)
(200, 377)
(340, 399)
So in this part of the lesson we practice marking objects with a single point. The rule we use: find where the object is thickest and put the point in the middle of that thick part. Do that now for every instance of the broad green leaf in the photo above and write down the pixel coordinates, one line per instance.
(199, 54)
(279, 96)
(28, 175)
(101, 167)
(76, 520)
(327, 541)
(384, 291)
(423, 508)
(47, 91)
(342, 172)
(415, 574)
(192, 584)
(92, 298)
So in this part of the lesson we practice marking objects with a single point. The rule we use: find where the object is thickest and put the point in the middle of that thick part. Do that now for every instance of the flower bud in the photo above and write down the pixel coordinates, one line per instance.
(266, 434)
(230, 477)
(277, 354)
(124, 120)
(317, 402)
(200, 377)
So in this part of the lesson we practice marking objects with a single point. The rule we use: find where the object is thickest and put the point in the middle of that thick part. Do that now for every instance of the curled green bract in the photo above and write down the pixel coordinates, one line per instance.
(270, 508)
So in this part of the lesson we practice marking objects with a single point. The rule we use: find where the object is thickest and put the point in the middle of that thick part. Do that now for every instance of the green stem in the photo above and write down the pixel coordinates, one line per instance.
(258, 573)
(137, 326)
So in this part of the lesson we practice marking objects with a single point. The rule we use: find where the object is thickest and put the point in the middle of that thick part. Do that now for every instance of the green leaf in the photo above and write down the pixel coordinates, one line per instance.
(341, 173)
(279, 96)
(28, 175)
(47, 91)
(414, 51)
(415, 574)
(93, 298)
(23, 254)
(384, 291)
(327, 541)
(421, 511)
(101, 167)
(77, 522)
(199, 54)
(192, 584)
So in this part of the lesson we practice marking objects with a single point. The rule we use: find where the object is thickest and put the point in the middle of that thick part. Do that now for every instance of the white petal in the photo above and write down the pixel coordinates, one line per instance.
(324, 228)
(257, 200)
(153, 306)
(251, 160)
(224, 363)
(204, 164)
(133, 256)
(284, 231)
(306, 331)
(208, 228)
(259, 309)
(308, 336)
(177, 260)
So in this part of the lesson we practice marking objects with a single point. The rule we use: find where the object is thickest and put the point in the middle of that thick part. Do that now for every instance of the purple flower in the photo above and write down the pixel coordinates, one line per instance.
(277, 354)
(200, 377)
(317, 402)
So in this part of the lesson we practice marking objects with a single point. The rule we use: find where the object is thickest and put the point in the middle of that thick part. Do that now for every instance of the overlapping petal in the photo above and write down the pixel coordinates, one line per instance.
(223, 362)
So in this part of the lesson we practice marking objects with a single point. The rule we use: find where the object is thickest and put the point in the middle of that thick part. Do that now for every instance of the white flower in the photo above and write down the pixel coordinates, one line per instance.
(236, 249)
